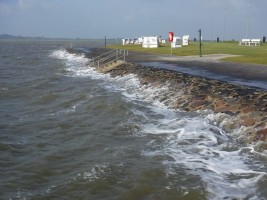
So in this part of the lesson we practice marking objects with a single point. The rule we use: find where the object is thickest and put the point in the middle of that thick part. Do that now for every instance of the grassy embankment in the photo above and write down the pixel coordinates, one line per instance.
(248, 54)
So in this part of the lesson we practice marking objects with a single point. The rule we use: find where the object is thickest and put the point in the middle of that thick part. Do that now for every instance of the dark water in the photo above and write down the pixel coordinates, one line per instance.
(68, 132)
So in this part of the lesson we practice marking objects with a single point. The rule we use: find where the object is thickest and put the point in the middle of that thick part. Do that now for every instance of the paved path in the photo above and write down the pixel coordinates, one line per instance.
(209, 66)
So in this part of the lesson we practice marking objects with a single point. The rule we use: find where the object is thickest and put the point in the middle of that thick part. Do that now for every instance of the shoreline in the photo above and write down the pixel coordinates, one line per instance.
(243, 107)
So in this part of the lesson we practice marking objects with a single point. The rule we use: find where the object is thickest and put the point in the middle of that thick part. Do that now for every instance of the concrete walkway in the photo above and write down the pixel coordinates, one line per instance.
(209, 66)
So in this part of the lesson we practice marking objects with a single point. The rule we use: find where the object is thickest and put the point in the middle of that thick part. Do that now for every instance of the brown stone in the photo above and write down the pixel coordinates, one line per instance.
(249, 122)
(219, 103)
(261, 135)
(198, 103)
(261, 124)
(222, 109)
(198, 97)
(234, 108)
(263, 131)
(247, 109)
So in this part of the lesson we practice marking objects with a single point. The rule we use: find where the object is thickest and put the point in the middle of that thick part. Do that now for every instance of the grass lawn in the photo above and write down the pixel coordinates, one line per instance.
(248, 54)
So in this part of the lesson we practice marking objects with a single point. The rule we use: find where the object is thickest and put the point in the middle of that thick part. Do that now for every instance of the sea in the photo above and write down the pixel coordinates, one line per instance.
(70, 132)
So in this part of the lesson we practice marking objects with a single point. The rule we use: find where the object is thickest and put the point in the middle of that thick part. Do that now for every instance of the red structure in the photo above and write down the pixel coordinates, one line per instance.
(170, 37)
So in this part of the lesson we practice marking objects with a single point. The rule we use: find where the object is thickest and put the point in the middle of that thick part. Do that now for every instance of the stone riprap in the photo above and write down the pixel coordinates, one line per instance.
(242, 106)
(238, 108)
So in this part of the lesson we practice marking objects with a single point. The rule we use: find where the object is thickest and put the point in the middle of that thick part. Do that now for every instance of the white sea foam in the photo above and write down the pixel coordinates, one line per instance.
(99, 171)
(200, 145)
(4, 89)
(196, 142)
(202, 149)
(77, 65)
(95, 172)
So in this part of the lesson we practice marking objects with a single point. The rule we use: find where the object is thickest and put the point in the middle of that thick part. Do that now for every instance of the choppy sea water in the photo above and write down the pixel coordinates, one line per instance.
(69, 132)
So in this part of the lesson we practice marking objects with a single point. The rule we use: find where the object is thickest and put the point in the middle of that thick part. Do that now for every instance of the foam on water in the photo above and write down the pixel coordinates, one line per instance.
(202, 149)
(77, 65)
(195, 142)
(94, 173)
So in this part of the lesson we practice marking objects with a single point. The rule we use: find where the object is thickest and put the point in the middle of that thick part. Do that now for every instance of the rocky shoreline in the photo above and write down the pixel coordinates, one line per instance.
(244, 107)
(238, 107)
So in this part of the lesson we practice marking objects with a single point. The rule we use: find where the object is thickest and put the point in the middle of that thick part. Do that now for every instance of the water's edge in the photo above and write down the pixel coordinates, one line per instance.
(69, 131)
(245, 106)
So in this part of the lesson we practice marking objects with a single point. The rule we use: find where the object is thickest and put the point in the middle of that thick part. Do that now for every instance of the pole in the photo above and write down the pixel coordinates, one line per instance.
(200, 44)
(211, 31)
(249, 5)
(105, 41)
(224, 24)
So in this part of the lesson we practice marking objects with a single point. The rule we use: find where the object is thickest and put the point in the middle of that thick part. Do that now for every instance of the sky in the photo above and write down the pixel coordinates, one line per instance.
(226, 19)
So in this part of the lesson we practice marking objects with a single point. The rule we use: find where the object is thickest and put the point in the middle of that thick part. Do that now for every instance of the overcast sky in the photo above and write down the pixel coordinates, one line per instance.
(228, 19)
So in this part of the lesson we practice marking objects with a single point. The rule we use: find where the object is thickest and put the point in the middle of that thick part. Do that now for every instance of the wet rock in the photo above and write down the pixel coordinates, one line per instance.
(219, 103)
(229, 113)
(256, 114)
(197, 103)
(249, 122)
(261, 125)
(247, 107)
(261, 135)
(222, 109)
(200, 97)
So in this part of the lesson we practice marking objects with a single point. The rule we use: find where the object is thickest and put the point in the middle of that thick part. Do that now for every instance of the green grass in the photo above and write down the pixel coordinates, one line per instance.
(248, 54)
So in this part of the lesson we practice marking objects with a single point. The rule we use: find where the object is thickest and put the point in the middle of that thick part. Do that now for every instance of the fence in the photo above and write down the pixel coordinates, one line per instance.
(109, 57)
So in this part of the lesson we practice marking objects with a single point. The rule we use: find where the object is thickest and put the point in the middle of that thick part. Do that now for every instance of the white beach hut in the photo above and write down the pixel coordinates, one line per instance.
(126, 41)
(185, 40)
(140, 40)
(176, 43)
(150, 42)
